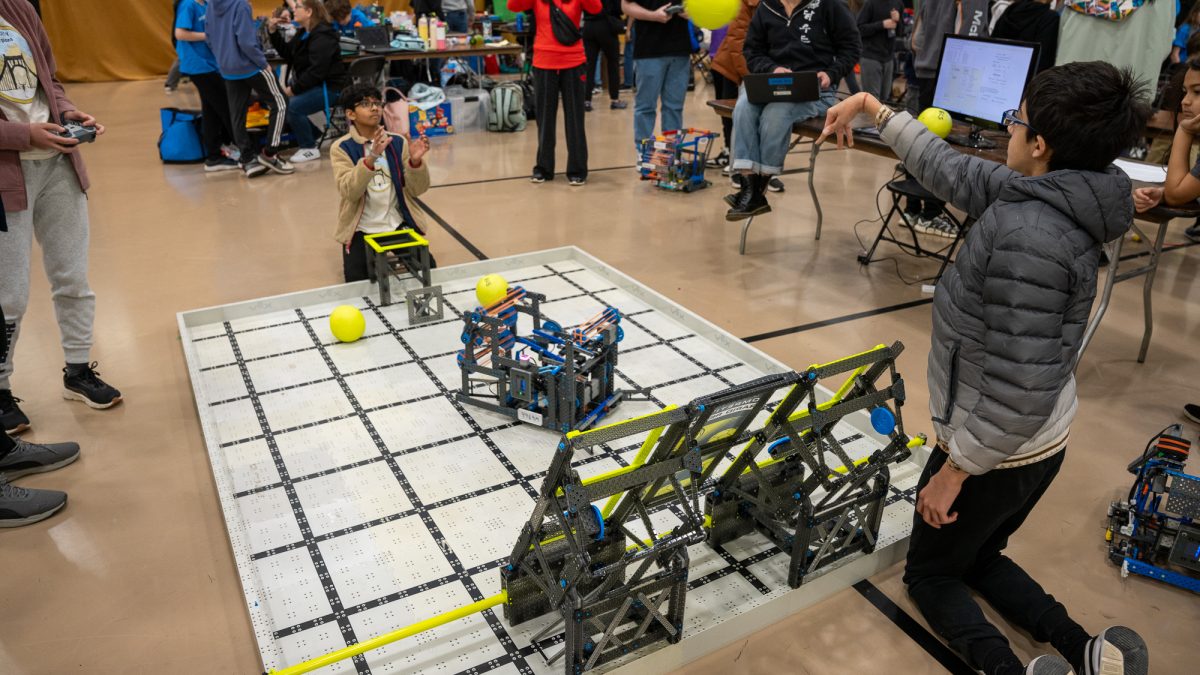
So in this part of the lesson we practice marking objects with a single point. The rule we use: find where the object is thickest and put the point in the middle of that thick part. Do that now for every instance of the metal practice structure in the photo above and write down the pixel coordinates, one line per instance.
(1155, 532)
(400, 254)
(555, 377)
(616, 589)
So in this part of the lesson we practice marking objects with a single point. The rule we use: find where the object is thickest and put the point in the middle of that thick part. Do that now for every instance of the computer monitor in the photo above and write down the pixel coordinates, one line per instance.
(981, 78)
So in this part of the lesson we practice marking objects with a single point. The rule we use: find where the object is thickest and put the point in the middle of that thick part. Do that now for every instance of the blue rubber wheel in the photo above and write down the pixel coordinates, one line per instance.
(883, 421)
(551, 326)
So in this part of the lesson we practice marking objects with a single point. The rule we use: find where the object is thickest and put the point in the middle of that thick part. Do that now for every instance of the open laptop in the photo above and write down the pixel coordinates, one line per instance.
(762, 88)
(376, 40)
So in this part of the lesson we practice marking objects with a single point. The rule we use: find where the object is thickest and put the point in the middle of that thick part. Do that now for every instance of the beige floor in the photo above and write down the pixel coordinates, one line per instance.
(136, 575)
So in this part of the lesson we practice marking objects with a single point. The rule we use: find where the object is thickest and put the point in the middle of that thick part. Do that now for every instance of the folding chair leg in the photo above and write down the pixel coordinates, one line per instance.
(867, 258)
(745, 229)
(812, 188)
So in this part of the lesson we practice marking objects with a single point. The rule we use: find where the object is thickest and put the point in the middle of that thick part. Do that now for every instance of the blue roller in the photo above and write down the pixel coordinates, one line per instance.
(883, 420)
(552, 326)
(599, 519)
(776, 443)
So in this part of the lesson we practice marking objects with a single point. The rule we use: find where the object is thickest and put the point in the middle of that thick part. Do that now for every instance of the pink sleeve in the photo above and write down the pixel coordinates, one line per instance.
(14, 136)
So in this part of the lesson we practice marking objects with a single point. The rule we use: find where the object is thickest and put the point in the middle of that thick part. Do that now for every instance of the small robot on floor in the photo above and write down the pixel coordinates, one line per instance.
(555, 377)
(1156, 531)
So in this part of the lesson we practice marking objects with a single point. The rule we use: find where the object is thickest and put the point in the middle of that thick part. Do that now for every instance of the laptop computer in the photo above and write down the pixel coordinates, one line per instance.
(762, 88)
(376, 40)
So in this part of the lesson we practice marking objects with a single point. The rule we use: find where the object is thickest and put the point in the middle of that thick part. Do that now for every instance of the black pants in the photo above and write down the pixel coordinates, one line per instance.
(725, 88)
(599, 38)
(214, 105)
(270, 93)
(548, 86)
(945, 565)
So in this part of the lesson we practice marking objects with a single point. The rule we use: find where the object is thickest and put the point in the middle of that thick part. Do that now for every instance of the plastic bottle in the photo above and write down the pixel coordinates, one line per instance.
(423, 29)
(441, 35)
(487, 27)
(520, 21)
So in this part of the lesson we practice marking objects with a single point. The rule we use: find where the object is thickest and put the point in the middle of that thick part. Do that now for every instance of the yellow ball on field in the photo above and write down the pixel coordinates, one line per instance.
(712, 14)
(937, 120)
(490, 290)
(347, 323)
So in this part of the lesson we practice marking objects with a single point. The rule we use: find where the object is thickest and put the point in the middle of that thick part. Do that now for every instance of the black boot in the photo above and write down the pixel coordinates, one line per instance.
(752, 202)
(743, 185)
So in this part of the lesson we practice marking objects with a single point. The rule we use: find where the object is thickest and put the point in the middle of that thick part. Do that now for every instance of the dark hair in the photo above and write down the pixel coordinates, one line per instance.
(338, 9)
(1088, 112)
(317, 7)
(357, 93)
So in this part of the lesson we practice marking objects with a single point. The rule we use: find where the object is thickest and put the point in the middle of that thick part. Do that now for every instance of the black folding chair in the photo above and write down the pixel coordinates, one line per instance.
(909, 188)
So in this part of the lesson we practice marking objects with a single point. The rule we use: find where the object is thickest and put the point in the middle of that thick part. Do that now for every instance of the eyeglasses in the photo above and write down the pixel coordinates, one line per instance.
(1011, 118)
(369, 103)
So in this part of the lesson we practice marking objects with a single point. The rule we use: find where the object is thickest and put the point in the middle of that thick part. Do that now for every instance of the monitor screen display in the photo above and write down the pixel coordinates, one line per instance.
(979, 79)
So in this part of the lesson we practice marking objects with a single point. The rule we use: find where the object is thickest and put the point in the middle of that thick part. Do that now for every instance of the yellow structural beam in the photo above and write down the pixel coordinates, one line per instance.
(388, 638)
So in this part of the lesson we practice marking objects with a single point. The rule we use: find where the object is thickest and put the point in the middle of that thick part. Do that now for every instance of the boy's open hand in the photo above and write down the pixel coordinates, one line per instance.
(380, 142)
(419, 148)
(1146, 198)
(841, 116)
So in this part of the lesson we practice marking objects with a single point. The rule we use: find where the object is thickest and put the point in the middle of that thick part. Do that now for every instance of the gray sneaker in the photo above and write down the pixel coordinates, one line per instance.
(1049, 664)
(21, 506)
(27, 458)
(1117, 650)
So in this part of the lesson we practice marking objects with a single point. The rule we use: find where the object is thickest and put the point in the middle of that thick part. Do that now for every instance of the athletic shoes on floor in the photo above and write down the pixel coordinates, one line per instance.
(718, 161)
(939, 226)
(576, 182)
(1049, 664)
(231, 151)
(1117, 650)
(254, 170)
(537, 177)
(1190, 411)
(275, 163)
(27, 458)
(618, 105)
(81, 382)
(21, 506)
(775, 185)
(223, 164)
(587, 106)
(12, 418)
(305, 155)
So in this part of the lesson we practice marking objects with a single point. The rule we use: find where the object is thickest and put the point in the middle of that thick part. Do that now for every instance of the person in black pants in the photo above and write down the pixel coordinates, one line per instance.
(196, 61)
(600, 36)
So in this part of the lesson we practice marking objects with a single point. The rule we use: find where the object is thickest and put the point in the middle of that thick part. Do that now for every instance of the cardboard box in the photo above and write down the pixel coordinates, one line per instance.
(435, 121)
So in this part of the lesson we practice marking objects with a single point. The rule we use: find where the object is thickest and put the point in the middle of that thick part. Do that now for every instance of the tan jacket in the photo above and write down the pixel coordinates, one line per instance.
(729, 60)
(352, 177)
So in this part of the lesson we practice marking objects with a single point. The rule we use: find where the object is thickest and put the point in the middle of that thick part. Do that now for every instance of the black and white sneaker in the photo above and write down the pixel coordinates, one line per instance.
(81, 382)
(587, 106)
(1192, 412)
(222, 164)
(12, 418)
(576, 181)
(276, 163)
(254, 170)
(775, 185)
(718, 161)
(1117, 650)
(21, 506)
(27, 458)
(537, 177)
(1049, 664)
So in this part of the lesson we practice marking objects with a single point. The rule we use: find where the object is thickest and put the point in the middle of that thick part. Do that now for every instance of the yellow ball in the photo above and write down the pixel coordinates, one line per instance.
(937, 120)
(490, 290)
(347, 323)
(712, 14)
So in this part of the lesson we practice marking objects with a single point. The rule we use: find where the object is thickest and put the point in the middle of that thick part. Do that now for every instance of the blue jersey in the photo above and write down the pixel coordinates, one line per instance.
(358, 19)
(195, 58)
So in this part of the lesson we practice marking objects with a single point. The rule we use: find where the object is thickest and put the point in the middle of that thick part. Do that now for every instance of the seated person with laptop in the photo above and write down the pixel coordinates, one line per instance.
(795, 51)
(317, 72)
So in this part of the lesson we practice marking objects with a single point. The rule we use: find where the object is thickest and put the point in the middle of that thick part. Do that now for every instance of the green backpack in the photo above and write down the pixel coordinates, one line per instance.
(507, 112)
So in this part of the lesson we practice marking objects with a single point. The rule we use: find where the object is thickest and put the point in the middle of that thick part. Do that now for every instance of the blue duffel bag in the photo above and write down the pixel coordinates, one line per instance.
(180, 141)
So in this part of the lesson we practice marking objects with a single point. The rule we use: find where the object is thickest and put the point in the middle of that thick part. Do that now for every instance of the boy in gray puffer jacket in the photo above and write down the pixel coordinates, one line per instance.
(1008, 319)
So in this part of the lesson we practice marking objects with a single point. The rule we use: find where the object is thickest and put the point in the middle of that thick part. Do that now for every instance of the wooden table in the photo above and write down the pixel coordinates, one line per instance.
(458, 51)
(1161, 215)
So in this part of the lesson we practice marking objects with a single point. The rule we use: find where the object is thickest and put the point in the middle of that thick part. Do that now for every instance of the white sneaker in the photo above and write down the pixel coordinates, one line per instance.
(305, 155)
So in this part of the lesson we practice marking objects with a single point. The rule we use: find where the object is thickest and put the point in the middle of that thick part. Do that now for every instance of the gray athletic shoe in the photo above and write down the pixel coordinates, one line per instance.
(21, 506)
(1117, 650)
(1049, 664)
(27, 458)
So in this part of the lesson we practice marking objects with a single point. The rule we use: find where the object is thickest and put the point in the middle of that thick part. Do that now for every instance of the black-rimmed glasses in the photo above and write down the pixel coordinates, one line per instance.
(1011, 117)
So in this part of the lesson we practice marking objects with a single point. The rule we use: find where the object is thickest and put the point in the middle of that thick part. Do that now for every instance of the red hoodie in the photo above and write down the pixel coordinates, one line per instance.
(549, 53)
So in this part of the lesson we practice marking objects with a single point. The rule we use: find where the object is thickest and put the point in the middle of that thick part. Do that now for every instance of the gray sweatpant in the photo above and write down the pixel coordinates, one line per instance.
(58, 217)
(877, 78)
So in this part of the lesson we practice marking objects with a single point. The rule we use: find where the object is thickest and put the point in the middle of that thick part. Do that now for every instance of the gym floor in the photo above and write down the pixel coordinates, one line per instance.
(136, 575)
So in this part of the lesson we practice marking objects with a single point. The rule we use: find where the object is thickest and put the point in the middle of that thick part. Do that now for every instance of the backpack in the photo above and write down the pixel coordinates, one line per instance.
(180, 141)
(507, 111)
(527, 92)
(395, 111)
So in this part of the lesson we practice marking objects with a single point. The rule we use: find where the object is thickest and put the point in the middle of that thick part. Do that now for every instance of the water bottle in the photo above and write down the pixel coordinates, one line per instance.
(487, 27)
(520, 21)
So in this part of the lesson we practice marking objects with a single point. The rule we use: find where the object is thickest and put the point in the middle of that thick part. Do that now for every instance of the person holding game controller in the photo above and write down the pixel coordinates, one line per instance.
(42, 186)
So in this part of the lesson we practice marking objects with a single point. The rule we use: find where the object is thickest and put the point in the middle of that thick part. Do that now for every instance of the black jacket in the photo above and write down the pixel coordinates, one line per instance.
(877, 45)
(1032, 22)
(819, 35)
(315, 57)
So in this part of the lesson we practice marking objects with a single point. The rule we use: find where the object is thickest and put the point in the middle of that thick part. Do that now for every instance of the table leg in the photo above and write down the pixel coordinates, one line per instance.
(1148, 286)
(812, 189)
(1114, 257)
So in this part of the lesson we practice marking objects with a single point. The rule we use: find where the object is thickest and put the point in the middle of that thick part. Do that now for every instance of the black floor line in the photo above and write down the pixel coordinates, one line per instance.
(453, 232)
(914, 630)
(484, 181)
(836, 320)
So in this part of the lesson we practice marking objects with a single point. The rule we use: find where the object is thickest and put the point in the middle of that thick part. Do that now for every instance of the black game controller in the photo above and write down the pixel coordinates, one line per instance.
(78, 131)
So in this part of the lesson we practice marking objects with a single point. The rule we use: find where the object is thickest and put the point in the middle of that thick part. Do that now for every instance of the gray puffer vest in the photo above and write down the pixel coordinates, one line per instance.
(1008, 316)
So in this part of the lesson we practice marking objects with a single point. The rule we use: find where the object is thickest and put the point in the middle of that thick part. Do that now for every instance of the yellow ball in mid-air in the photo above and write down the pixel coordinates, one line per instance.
(490, 290)
(347, 323)
(937, 120)
(712, 14)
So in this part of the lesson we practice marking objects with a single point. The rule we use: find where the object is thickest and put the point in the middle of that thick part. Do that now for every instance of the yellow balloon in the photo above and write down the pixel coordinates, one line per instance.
(491, 289)
(347, 323)
(712, 14)
(937, 120)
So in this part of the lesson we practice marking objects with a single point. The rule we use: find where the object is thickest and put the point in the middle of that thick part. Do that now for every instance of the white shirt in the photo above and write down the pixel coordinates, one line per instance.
(21, 97)
(381, 211)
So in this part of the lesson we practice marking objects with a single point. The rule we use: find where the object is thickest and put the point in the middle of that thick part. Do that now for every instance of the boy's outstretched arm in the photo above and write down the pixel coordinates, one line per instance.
(969, 183)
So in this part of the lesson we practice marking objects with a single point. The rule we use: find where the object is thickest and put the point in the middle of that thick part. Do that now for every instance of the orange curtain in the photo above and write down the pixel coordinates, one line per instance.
(103, 40)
